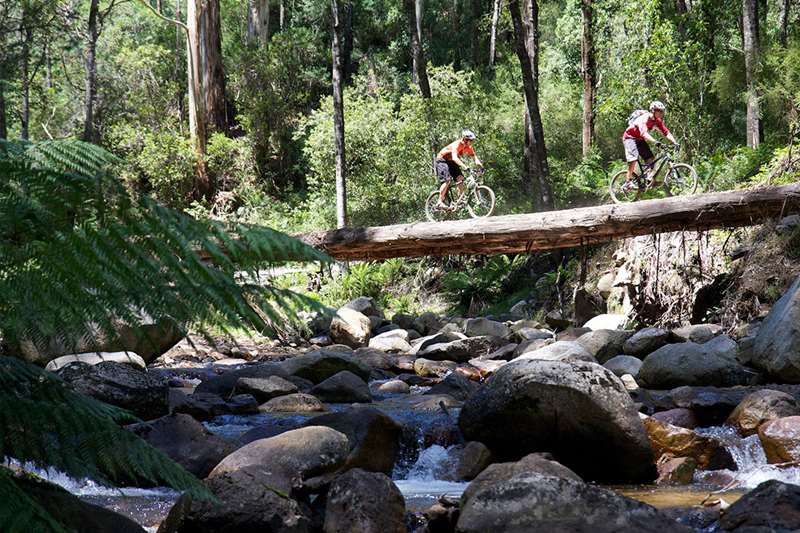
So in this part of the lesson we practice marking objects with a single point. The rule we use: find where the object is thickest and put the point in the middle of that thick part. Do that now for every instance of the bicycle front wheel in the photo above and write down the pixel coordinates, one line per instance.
(681, 179)
(620, 191)
(481, 202)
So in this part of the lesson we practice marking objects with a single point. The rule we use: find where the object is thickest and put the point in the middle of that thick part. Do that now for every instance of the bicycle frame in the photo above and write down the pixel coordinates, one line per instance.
(660, 161)
(470, 184)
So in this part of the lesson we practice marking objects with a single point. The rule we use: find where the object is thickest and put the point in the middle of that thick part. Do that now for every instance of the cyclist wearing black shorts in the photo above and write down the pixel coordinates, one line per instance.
(449, 166)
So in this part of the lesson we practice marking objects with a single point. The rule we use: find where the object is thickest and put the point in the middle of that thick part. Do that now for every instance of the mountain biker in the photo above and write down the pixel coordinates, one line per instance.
(449, 165)
(637, 135)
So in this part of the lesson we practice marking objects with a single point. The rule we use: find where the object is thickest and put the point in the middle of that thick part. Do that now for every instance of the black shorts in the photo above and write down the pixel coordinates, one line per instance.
(447, 170)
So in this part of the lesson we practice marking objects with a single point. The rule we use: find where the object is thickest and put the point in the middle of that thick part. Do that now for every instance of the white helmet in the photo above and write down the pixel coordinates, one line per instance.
(657, 105)
(468, 134)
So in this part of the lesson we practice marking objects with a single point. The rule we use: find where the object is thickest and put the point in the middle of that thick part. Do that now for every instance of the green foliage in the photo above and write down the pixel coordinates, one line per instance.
(479, 283)
(368, 279)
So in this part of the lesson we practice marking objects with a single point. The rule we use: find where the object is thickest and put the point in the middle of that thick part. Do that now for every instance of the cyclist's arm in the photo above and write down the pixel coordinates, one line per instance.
(672, 139)
(649, 138)
(457, 160)
(477, 160)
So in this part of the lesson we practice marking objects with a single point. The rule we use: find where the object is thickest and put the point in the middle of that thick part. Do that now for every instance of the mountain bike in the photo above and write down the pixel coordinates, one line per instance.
(477, 199)
(679, 178)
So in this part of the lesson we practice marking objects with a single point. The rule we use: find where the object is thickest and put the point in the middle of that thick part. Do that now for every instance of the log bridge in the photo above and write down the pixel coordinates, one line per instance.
(560, 229)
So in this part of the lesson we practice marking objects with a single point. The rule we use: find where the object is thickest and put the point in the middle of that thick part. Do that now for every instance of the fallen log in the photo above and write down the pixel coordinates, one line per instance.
(560, 229)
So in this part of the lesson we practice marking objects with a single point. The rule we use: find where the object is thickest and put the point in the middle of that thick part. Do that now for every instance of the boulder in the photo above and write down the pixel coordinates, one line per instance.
(534, 463)
(403, 321)
(698, 333)
(186, 441)
(676, 470)
(675, 441)
(364, 305)
(777, 346)
(606, 321)
(205, 406)
(603, 344)
(224, 384)
(94, 358)
(571, 334)
(780, 439)
(772, 506)
(624, 364)
(486, 367)
(143, 394)
(435, 369)
(527, 346)
(455, 385)
(557, 320)
(759, 407)
(374, 438)
(532, 334)
(344, 387)
(291, 457)
(350, 327)
(364, 502)
(580, 412)
(461, 350)
(319, 365)
(565, 351)
(394, 386)
(293, 403)
(645, 341)
(264, 389)
(247, 500)
(376, 359)
(689, 363)
(428, 323)
(534, 503)
(483, 327)
(587, 306)
(679, 416)
(468, 460)
(387, 342)
(505, 353)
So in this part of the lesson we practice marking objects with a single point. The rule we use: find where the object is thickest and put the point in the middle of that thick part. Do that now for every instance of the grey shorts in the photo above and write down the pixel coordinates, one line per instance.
(636, 148)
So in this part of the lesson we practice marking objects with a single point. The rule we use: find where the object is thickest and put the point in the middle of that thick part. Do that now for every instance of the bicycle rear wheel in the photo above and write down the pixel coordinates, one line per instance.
(620, 192)
(481, 202)
(681, 179)
(433, 213)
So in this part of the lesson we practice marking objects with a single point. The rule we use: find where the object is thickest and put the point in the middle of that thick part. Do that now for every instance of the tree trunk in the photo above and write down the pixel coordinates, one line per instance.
(783, 35)
(751, 61)
(211, 69)
(258, 21)
(180, 38)
(526, 33)
(347, 41)
(420, 68)
(197, 115)
(569, 228)
(588, 72)
(281, 14)
(493, 32)
(25, 103)
(475, 43)
(90, 83)
(3, 125)
(338, 116)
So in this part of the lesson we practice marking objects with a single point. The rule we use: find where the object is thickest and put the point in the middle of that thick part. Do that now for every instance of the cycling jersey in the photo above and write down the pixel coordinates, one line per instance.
(644, 123)
(461, 147)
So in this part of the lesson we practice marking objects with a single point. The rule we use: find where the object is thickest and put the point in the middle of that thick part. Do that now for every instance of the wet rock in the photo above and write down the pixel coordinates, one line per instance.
(603, 344)
(624, 364)
(468, 460)
(534, 463)
(680, 417)
(777, 347)
(434, 403)
(780, 439)
(293, 403)
(697, 333)
(483, 327)
(572, 334)
(772, 506)
(470, 372)
(535, 503)
(689, 363)
(675, 441)
(427, 368)
(290, 458)
(441, 517)
(365, 305)
(122, 385)
(645, 341)
(264, 389)
(205, 406)
(224, 384)
(350, 327)
(414, 380)
(395, 386)
(565, 351)
(455, 385)
(759, 407)
(461, 350)
(504, 353)
(185, 441)
(320, 365)
(344, 387)
(676, 471)
(529, 346)
(607, 321)
(580, 412)
(94, 358)
(364, 502)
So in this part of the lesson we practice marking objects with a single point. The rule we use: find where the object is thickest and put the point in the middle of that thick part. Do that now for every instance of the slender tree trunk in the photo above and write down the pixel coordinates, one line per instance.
(347, 40)
(526, 32)
(3, 124)
(783, 35)
(457, 34)
(258, 21)
(197, 115)
(475, 43)
(90, 61)
(338, 116)
(27, 35)
(493, 32)
(211, 69)
(413, 11)
(48, 66)
(751, 62)
(281, 14)
(588, 72)
(180, 39)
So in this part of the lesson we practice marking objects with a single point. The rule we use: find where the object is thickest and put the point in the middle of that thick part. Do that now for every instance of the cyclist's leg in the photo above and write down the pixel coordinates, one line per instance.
(631, 157)
(443, 173)
(455, 175)
(645, 152)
